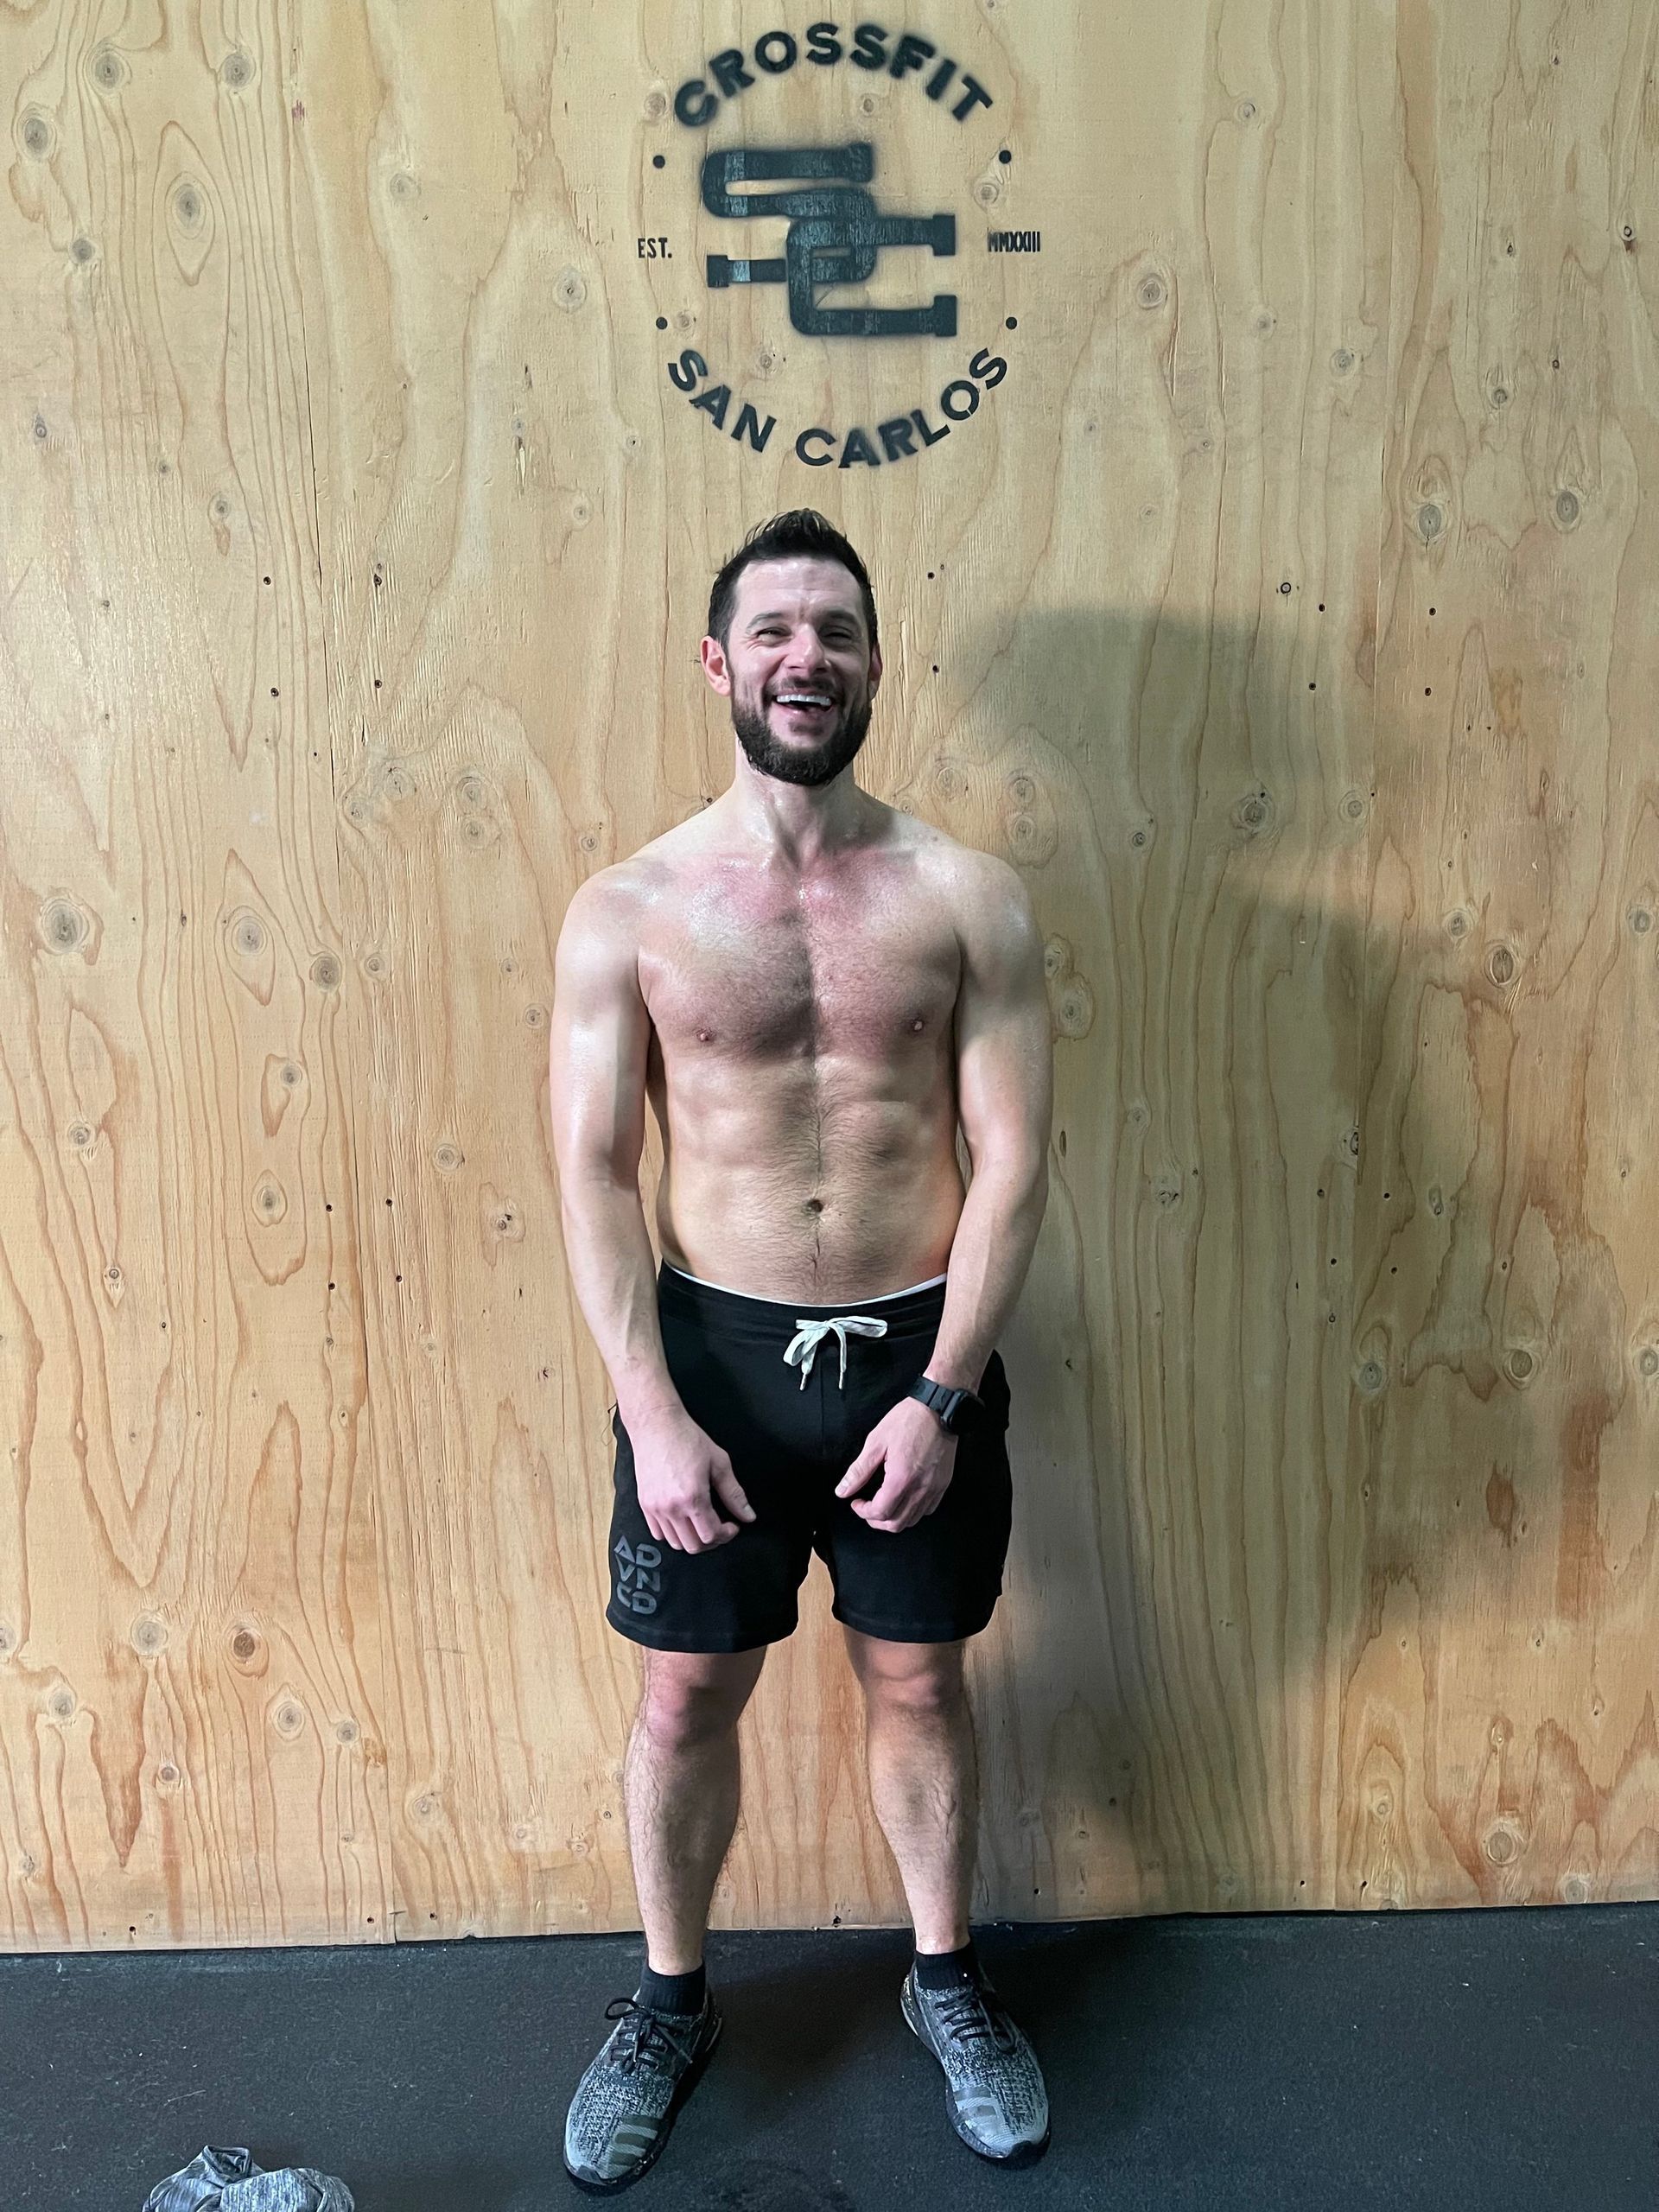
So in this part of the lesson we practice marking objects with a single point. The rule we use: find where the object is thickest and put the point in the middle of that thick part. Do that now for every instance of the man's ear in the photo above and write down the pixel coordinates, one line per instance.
(714, 665)
(875, 667)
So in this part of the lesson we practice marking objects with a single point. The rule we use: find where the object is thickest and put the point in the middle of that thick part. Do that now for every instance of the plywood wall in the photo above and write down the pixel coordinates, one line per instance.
(1283, 608)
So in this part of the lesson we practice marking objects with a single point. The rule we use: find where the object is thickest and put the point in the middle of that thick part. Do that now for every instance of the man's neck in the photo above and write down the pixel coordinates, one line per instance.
(787, 826)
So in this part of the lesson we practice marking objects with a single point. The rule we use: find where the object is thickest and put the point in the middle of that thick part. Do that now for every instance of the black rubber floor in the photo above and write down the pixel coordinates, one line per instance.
(1495, 2061)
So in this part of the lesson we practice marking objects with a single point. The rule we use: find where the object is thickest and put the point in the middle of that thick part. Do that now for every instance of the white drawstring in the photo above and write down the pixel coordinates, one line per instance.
(809, 1335)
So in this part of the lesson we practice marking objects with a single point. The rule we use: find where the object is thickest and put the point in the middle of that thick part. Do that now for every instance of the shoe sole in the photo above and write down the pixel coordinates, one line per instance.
(687, 2083)
(1024, 2154)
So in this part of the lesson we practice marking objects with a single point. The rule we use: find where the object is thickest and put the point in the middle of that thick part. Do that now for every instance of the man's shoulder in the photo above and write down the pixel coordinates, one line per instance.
(627, 885)
(984, 889)
(608, 908)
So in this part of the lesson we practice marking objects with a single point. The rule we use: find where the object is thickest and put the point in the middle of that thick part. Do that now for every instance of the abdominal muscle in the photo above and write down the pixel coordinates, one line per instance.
(773, 1228)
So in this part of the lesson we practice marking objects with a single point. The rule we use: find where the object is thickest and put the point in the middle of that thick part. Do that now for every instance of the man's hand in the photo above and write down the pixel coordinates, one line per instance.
(917, 1458)
(678, 1472)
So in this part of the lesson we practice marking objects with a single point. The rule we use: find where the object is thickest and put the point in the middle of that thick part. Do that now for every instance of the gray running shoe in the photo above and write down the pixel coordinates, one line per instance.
(994, 2089)
(626, 2102)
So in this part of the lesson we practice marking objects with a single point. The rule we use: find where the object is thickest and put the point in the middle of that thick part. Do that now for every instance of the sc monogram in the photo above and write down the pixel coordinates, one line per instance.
(836, 236)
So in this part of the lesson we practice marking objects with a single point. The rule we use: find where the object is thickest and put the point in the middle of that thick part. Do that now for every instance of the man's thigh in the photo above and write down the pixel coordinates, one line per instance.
(725, 1358)
(938, 1580)
(723, 1602)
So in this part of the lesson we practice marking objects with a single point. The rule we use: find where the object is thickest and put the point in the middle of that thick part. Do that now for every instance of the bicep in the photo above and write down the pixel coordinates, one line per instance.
(599, 1037)
(1005, 1060)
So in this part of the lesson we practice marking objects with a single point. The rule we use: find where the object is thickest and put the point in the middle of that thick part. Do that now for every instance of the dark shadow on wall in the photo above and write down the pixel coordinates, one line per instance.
(1196, 1554)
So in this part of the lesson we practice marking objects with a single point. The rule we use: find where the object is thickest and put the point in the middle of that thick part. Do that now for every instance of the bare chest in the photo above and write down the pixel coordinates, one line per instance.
(861, 965)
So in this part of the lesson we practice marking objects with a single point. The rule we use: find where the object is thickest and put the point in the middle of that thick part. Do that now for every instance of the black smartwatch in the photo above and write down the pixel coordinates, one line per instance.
(958, 1411)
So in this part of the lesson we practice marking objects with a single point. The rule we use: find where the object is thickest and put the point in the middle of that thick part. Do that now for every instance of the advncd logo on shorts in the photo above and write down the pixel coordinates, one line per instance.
(811, 161)
(638, 1575)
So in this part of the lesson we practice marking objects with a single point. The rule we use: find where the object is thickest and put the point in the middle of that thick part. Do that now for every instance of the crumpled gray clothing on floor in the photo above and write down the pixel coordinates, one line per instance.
(229, 2181)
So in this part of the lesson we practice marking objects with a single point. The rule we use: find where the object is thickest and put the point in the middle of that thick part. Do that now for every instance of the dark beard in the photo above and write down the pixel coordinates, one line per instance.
(795, 764)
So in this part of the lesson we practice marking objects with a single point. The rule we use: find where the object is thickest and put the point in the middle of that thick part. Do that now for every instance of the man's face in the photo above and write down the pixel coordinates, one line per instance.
(798, 668)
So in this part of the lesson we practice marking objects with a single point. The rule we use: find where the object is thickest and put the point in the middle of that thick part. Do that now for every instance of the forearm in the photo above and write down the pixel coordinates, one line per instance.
(990, 1255)
(609, 1252)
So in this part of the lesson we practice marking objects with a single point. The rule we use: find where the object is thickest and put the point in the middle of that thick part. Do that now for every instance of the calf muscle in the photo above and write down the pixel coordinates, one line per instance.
(682, 1784)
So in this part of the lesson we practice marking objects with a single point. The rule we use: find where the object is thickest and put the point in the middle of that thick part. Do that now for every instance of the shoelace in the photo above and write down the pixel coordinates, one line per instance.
(967, 2013)
(648, 2035)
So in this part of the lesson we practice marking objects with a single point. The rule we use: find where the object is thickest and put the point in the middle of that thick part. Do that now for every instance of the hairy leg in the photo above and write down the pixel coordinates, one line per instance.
(681, 1784)
(923, 1777)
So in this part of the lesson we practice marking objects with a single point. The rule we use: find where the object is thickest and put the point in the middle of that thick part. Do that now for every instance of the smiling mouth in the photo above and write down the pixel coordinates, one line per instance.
(810, 706)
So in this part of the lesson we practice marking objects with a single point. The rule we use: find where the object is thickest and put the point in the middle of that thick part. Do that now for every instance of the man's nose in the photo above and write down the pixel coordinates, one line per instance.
(806, 653)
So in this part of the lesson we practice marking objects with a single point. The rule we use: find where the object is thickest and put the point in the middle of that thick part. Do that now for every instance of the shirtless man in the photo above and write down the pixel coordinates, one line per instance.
(813, 989)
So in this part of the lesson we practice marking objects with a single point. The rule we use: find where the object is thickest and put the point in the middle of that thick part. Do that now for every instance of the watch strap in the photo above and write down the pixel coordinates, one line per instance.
(955, 1409)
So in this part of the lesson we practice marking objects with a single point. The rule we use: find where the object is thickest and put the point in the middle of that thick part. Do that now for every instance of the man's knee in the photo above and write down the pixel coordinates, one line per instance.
(694, 1697)
(923, 1679)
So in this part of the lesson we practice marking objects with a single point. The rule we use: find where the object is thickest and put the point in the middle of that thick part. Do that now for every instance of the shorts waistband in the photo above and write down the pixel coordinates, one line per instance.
(915, 1311)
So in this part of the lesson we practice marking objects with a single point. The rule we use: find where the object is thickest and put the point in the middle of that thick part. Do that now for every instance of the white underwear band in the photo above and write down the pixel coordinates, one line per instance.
(850, 1303)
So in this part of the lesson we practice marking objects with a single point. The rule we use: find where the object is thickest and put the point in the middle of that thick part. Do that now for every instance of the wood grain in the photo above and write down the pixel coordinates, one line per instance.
(1283, 614)
(190, 1664)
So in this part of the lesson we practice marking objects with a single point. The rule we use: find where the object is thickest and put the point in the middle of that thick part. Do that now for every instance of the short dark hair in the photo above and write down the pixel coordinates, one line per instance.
(802, 531)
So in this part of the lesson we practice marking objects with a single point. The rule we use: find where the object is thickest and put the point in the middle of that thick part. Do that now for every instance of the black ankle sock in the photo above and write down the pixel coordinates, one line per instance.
(673, 1992)
(947, 1970)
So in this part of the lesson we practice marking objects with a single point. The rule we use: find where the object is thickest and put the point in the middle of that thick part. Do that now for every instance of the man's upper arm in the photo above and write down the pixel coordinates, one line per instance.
(601, 1035)
(1005, 1057)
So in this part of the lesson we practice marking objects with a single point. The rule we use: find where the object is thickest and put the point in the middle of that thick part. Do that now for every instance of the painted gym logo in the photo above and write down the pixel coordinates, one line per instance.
(638, 1575)
(834, 237)
(838, 229)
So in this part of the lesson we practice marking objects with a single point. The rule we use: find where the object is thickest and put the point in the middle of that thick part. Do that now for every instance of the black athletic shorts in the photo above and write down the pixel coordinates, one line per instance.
(757, 1376)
